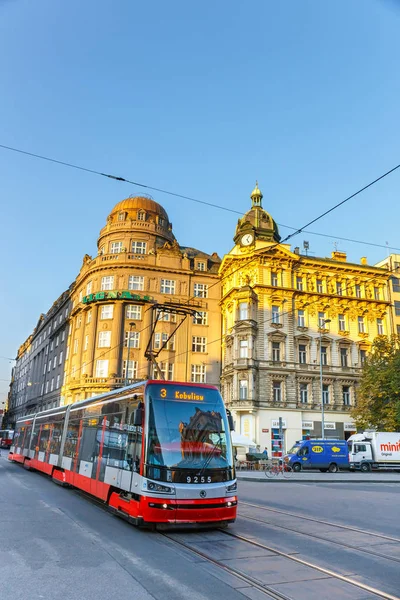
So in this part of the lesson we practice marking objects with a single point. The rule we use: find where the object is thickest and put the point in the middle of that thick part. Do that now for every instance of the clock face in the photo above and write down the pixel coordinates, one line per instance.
(247, 239)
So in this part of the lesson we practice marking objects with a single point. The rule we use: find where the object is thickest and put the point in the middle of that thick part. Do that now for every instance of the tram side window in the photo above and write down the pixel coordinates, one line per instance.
(44, 438)
(19, 438)
(35, 437)
(71, 441)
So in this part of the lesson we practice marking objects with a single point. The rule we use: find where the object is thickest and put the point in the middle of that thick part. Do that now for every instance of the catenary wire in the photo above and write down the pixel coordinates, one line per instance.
(211, 204)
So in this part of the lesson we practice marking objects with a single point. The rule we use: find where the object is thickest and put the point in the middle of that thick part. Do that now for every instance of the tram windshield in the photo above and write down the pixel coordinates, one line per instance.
(187, 428)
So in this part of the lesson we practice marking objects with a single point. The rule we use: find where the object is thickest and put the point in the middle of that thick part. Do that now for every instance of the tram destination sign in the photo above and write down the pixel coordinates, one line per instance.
(116, 295)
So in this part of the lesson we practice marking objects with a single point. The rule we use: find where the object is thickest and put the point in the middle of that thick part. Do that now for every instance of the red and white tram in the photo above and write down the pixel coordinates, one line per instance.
(156, 452)
(6, 438)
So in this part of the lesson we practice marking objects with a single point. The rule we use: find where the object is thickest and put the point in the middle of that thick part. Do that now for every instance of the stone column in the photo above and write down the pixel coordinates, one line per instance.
(116, 340)
(91, 331)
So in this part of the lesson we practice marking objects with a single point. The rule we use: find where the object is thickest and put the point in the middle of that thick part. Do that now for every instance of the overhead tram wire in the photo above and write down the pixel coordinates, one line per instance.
(211, 204)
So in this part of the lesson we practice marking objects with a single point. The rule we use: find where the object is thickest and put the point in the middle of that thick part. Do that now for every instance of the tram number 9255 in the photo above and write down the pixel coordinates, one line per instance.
(198, 479)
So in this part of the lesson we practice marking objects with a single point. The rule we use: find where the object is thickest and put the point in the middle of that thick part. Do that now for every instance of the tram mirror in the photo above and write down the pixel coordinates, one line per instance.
(138, 418)
(230, 420)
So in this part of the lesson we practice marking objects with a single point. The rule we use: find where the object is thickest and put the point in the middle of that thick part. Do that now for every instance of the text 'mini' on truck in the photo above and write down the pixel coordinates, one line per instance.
(374, 450)
(325, 455)
(155, 452)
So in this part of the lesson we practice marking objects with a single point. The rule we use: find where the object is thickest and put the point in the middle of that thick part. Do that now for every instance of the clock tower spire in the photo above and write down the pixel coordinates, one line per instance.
(256, 224)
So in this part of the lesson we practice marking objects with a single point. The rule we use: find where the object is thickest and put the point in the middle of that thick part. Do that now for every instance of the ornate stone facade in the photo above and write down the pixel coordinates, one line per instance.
(140, 263)
(282, 313)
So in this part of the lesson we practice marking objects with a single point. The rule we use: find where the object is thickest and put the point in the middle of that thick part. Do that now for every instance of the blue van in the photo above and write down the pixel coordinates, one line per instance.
(325, 455)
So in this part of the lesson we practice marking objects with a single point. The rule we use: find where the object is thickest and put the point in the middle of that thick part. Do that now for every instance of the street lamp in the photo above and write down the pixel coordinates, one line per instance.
(321, 325)
(131, 326)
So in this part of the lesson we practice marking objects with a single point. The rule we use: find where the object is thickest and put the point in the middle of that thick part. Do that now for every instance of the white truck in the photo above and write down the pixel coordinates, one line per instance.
(374, 450)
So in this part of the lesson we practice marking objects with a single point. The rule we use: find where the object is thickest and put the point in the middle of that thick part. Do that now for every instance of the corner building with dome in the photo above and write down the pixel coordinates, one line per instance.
(139, 263)
(283, 313)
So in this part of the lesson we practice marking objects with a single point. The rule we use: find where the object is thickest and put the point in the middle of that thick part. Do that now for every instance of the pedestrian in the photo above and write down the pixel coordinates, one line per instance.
(265, 452)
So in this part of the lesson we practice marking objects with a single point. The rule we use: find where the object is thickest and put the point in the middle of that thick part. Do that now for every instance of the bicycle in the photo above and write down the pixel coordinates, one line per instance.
(274, 470)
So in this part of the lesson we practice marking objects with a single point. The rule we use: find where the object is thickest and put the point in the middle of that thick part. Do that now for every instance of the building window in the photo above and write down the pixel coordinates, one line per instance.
(78, 322)
(104, 339)
(379, 325)
(51, 345)
(301, 321)
(361, 325)
(243, 311)
(198, 374)
(344, 357)
(321, 320)
(302, 354)
(304, 393)
(167, 286)
(299, 284)
(167, 371)
(346, 395)
(342, 323)
(363, 357)
(47, 387)
(377, 294)
(276, 351)
(107, 283)
(55, 361)
(276, 315)
(339, 289)
(115, 247)
(75, 349)
(166, 316)
(58, 381)
(60, 358)
(133, 311)
(88, 317)
(200, 318)
(274, 279)
(132, 339)
(396, 284)
(320, 287)
(358, 291)
(277, 391)
(324, 355)
(243, 389)
(89, 288)
(102, 368)
(397, 308)
(57, 340)
(52, 384)
(80, 296)
(129, 369)
(201, 266)
(199, 343)
(121, 216)
(141, 215)
(243, 349)
(107, 311)
(139, 247)
(160, 339)
(201, 290)
(135, 282)
(325, 393)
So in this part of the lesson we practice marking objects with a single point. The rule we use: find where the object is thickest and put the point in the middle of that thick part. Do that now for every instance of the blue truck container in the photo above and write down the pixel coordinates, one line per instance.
(325, 455)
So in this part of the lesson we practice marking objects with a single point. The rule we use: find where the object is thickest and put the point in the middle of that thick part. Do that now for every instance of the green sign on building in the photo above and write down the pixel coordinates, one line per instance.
(114, 295)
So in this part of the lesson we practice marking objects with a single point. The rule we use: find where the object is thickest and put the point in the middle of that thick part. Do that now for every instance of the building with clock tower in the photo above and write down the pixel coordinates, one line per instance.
(284, 315)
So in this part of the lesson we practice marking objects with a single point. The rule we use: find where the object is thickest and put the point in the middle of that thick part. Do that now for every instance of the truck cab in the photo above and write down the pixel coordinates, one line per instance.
(360, 453)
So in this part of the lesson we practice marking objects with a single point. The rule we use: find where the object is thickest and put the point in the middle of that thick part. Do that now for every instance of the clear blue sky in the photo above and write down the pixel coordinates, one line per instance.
(200, 98)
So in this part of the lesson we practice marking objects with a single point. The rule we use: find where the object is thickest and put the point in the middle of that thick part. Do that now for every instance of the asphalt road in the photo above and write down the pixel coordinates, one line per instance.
(55, 544)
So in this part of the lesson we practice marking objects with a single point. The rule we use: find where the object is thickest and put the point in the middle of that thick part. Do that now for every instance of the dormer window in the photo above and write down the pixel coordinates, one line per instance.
(121, 216)
(161, 221)
(141, 216)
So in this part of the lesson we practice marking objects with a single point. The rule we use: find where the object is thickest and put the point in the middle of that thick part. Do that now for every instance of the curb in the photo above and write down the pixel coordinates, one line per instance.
(282, 480)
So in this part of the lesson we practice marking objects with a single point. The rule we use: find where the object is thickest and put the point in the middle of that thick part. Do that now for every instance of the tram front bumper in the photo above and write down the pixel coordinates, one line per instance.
(203, 510)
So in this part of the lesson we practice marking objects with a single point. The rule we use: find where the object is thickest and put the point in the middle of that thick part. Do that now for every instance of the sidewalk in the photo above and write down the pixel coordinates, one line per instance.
(317, 477)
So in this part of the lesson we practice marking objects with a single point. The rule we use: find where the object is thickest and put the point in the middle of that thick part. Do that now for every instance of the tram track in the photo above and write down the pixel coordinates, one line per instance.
(323, 539)
(265, 588)
(321, 521)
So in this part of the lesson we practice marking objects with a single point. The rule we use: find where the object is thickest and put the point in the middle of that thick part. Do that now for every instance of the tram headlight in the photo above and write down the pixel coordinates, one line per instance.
(152, 486)
(232, 487)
